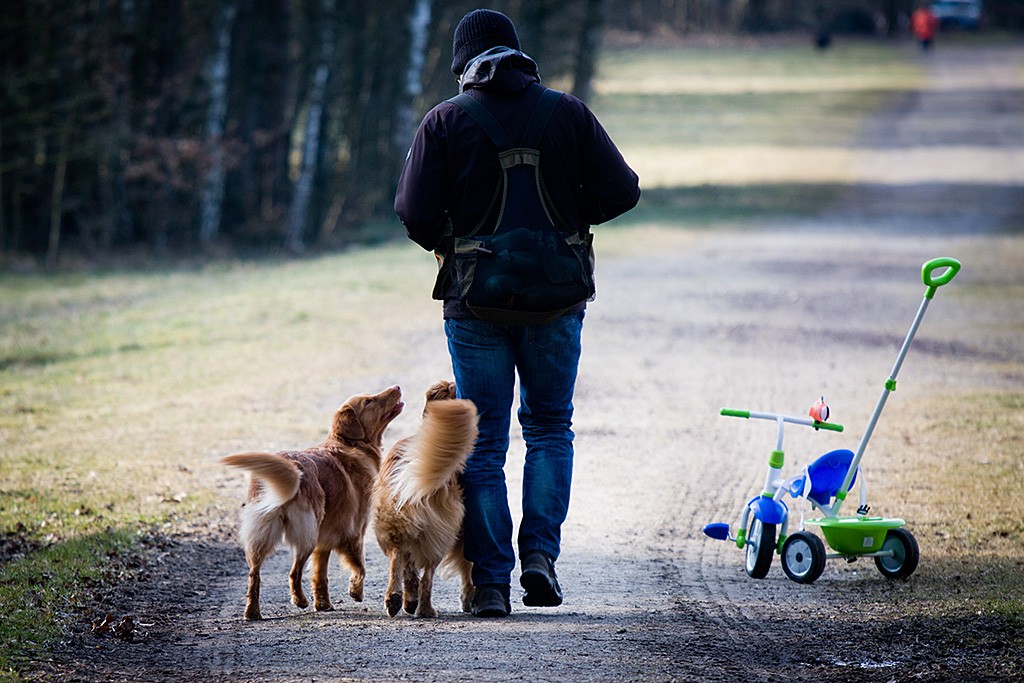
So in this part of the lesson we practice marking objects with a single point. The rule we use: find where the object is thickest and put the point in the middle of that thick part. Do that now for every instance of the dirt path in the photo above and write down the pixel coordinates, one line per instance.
(763, 318)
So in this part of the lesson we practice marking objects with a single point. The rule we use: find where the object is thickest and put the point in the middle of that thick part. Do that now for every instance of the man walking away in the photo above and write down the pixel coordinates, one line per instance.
(450, 191)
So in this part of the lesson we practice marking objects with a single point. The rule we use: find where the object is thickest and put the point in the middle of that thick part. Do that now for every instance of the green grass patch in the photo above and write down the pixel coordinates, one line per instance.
(42, 588)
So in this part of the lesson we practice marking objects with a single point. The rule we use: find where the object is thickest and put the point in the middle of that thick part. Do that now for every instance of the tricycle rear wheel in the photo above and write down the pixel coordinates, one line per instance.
(905, 554)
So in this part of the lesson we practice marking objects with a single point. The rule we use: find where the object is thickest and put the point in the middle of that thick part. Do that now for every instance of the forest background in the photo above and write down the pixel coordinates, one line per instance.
(155, 128)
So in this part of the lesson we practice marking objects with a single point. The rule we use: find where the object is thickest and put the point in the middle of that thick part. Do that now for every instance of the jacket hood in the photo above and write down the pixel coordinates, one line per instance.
(500, 69)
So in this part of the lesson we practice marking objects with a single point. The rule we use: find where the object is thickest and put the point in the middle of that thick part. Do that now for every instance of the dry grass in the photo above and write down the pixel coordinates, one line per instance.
(954, 456)
(118, 389)
(738, 119)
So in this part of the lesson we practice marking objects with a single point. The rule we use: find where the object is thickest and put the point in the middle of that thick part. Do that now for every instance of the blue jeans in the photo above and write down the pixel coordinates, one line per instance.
(486, 358)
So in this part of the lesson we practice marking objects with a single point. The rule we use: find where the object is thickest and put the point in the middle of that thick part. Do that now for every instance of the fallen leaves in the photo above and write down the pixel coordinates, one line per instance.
(126, 629)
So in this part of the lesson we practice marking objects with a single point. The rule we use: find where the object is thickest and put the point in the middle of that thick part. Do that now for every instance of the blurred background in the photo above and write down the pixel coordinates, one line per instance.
(227, 127)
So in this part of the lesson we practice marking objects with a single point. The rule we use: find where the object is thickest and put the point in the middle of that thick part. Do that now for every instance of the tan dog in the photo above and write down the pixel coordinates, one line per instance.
(418, 503)
(318, 499)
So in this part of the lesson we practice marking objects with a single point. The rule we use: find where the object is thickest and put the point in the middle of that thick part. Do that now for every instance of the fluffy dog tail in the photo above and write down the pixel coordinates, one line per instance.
(280, 475)
(438, 451)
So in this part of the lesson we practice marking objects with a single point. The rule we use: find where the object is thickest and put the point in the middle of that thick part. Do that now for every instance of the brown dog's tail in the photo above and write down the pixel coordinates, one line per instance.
(438, 451)
(280, 475)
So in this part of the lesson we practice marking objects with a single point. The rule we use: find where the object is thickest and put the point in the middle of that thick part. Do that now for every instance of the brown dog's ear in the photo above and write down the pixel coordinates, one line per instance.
(347, 425)
(441, 391)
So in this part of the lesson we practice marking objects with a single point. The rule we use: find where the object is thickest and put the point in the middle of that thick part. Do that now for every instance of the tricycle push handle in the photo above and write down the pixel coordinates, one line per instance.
(933, 281)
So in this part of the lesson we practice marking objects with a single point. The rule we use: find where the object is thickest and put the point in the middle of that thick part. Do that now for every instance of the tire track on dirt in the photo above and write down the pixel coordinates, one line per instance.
(903, 216)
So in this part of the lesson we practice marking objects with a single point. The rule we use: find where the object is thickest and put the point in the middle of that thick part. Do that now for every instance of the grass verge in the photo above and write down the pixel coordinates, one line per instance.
(118, 390)
(42, 586)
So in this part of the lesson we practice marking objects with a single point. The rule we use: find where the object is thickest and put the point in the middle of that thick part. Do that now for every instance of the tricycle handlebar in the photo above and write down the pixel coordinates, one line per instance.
(775, 417)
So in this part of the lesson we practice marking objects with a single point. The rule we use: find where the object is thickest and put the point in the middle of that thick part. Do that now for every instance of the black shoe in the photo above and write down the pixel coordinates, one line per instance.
(539, 580)
(491, 600)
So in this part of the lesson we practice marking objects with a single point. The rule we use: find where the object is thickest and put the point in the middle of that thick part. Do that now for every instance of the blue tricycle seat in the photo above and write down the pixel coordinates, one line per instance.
(827, 474)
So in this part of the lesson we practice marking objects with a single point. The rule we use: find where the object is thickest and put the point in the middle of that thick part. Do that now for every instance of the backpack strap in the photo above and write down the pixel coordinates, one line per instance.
(510, 154)
(534, 129)
(539, 120)
(485, 120)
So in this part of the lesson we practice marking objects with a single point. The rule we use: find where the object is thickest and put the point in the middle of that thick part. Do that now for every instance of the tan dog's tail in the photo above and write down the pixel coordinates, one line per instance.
(438, 451)
(280, 474)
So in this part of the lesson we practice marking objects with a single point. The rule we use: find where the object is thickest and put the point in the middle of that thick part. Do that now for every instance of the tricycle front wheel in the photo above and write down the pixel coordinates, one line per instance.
(803, 557)
(760, 546)
(905, 554)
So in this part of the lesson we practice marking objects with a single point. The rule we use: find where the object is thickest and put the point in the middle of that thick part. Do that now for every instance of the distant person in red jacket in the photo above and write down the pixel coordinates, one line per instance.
(924, 23)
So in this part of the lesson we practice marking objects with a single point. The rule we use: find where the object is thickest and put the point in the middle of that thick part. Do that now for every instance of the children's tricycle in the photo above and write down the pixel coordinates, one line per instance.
(764, 523)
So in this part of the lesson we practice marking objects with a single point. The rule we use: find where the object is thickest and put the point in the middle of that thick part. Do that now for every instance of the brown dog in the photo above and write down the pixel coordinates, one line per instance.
(318, 499)
(418, 503)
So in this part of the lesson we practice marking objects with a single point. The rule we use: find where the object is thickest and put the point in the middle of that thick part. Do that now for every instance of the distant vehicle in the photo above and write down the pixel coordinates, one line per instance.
(961, 14)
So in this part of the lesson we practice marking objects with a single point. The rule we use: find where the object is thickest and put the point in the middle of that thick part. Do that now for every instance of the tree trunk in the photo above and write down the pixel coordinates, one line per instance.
(533, 24)
(258, 183)
(117, 226)
(57, 196)
(299, 209)
(17, 213)
(3, 229)
(589, 43)
(739, 14)
(419, 34)
(219, 75)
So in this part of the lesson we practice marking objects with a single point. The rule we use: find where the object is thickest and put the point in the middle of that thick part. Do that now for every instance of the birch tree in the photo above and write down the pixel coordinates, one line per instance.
(419, 34)
(219, 78)
(299, 209)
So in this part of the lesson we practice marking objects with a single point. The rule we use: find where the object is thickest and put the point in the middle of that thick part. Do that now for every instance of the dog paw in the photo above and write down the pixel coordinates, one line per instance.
(393, 604)
(355, 588)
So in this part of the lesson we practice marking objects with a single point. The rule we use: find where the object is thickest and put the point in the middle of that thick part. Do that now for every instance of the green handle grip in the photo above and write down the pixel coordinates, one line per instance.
(932, 281)
(729, 412)
(831, 426)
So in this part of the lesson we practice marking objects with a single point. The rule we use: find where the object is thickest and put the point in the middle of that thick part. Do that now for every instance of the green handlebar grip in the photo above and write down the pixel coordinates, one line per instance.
(933, 282)
(831, 426)
(728, 412)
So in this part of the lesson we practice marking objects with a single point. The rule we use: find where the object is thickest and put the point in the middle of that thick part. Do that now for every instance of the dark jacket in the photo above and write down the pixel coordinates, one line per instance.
(452, 169)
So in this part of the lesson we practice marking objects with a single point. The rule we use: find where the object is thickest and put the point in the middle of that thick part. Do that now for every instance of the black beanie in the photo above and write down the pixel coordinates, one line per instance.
(479, 31)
